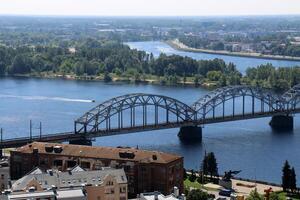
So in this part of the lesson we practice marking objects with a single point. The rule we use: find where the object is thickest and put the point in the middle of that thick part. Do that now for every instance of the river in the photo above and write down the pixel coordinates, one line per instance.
(250, 146)
(242, 63)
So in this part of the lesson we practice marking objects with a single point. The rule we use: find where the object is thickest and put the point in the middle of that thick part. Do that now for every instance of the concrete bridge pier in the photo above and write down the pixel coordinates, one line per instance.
(82, 141)
(190, 134)
(282, 122)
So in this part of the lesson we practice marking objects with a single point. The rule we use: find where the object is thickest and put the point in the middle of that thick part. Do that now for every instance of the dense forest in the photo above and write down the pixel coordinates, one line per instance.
(94, 58)
(95, 48)
(109, 59)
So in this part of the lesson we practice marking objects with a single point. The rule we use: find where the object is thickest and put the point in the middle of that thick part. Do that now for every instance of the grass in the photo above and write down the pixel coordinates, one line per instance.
(283, 196)
(189, 184)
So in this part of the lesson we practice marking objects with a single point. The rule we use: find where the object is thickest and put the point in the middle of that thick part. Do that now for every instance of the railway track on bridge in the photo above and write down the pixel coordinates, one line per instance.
(119, 115)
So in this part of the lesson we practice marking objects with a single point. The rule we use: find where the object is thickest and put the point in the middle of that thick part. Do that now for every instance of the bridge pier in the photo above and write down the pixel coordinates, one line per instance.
(282, 123)
(190, 134)
(82, 141)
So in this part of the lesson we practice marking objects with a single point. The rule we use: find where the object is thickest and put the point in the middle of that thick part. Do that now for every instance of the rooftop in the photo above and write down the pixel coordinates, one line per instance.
(59, 194)
(68, 179)
(151, 196)
(99, 152)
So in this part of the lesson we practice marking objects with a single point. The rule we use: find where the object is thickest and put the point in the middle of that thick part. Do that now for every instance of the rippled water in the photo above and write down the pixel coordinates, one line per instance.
(250, 145)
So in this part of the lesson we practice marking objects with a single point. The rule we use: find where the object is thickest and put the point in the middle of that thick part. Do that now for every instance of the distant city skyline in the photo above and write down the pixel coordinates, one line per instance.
(149, 7)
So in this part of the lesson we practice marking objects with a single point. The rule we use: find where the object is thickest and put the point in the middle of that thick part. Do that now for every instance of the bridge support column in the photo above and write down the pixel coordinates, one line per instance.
(82, 141)
(282, 122)
(190, 134)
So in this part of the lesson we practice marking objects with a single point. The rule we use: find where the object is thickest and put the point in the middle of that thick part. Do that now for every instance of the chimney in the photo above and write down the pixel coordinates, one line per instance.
(50, 171)
(183, 197)
(176, 192)
(156, 195)
(54, 188)
(69, 171)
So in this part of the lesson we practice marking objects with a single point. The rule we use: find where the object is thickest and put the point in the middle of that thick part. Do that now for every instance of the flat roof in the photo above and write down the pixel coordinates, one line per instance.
(43, 194)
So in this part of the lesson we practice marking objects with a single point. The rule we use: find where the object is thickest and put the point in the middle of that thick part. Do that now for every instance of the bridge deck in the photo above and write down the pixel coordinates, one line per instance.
(71, 136)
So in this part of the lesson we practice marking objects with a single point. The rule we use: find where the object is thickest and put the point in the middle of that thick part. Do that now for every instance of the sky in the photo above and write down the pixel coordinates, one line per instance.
(149, 7)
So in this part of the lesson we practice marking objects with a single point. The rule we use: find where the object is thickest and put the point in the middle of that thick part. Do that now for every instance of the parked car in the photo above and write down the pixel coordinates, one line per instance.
(225, 192)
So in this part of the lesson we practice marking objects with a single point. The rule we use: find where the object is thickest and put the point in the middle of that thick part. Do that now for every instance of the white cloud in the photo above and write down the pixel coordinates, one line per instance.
(149, 7)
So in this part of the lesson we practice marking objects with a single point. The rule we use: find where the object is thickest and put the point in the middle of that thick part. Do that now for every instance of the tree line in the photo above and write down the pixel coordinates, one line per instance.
(106, 58)
(93, 58)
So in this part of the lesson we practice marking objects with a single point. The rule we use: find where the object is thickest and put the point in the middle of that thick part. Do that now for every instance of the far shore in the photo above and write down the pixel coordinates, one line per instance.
(206, 85)
(182, 47)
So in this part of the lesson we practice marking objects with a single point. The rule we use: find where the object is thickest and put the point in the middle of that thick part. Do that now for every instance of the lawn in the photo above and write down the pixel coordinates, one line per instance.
(189, 184)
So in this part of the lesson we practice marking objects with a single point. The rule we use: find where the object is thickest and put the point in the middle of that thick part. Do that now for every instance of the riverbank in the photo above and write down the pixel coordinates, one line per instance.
(182, 47)
(153, 80)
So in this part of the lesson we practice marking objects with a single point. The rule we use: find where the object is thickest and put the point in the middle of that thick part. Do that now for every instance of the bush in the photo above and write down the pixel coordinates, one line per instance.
(197, 195)
(192, 177)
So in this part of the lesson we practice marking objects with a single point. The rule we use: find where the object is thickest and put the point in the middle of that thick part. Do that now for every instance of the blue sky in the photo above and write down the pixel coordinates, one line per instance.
(149, 7)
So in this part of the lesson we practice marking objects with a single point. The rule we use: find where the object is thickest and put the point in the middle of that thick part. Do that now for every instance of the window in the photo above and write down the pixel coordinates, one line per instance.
(85, 165)
(110, 183)
(44, 161)
(2, 176)
(126, 168)
(71, 163)
(58, 163)
(122, 189)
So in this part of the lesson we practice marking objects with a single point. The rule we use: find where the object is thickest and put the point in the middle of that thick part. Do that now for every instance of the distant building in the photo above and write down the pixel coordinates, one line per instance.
(146, 171)
(74, 184)
(236, 48)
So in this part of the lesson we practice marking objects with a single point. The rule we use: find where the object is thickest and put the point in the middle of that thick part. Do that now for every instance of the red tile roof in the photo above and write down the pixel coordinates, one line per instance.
(102, 152)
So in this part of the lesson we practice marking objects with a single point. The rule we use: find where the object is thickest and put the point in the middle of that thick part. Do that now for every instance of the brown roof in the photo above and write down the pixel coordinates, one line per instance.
(102, 152)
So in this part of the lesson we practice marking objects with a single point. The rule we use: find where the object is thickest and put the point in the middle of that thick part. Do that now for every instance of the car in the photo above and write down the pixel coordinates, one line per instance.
(225, 192)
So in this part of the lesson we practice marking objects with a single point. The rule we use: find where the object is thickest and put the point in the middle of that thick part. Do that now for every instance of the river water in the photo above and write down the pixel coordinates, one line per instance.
(242, 63)
(250, 146)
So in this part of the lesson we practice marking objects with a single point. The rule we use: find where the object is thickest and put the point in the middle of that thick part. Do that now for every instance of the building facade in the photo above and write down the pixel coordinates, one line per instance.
(146, 171)
(106, 184)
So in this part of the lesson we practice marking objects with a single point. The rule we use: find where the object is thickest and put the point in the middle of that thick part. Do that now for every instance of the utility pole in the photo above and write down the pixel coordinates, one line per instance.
(1, 132)
(40, 130)
(30, 131)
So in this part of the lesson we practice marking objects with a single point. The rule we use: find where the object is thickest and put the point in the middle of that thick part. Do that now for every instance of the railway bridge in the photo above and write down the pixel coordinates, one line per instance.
(144, 112)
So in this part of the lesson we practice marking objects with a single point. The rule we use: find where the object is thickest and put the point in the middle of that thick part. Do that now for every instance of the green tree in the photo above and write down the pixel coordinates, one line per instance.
(197, 195)
(276, 196)
(254, 195)
(209, 165)
(286, 176)
(107, 77)
(293, 180)
(214, 75)
(222, 81)
(21, 65)
(192, 177)
(281, 85)
(197, 80)
(79, 70)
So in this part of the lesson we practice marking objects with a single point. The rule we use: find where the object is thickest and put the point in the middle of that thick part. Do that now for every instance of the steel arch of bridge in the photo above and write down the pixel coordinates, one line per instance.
(91, 121)
(220, 96)
(98, 119)
(292, 98)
